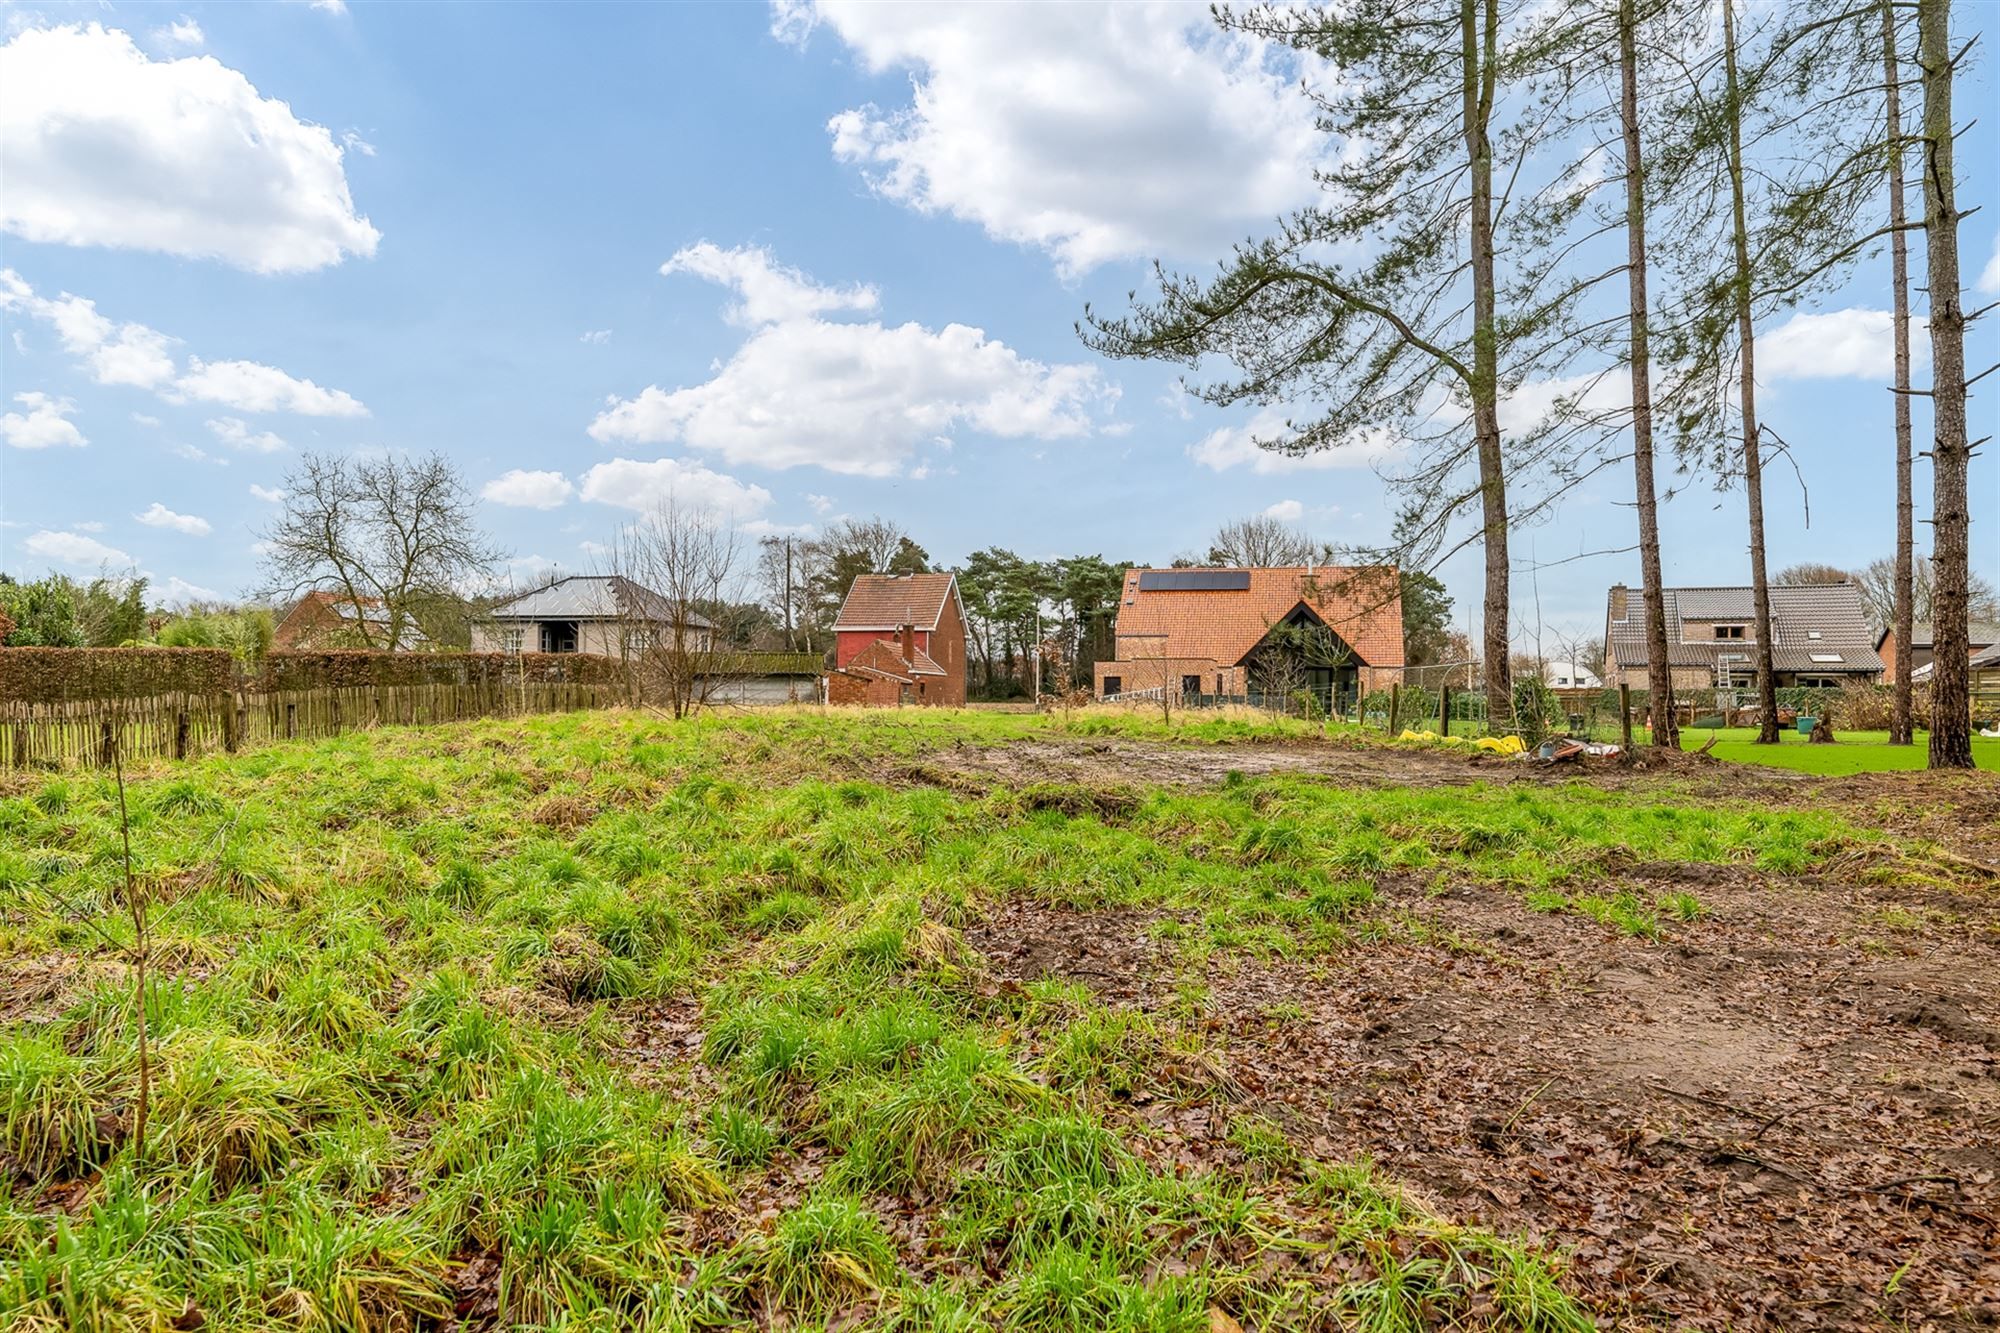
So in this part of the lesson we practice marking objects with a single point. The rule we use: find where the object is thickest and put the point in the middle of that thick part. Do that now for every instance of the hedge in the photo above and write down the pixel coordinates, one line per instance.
(359, 667)
(53, 675)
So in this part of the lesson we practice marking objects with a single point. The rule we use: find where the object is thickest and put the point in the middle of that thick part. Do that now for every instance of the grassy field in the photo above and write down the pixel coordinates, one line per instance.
(1851, 752)
(598, 1021)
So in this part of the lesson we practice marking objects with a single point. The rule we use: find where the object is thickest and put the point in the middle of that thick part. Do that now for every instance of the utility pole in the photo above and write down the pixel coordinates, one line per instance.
(790, 641)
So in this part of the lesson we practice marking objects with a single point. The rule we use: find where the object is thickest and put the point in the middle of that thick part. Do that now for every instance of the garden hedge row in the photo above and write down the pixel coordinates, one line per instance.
(51, 675)
(359, 667)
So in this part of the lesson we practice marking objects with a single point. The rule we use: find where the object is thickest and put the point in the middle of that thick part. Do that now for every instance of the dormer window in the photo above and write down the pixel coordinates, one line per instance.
(1729, 631)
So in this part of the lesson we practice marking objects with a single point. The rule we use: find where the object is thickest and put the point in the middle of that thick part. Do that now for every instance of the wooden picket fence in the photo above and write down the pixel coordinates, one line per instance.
(175, 725)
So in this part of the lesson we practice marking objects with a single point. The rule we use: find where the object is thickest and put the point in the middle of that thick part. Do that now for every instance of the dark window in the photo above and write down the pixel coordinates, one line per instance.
(559, 636)
(1728, 631)
(1114, 684)
(1191, 685)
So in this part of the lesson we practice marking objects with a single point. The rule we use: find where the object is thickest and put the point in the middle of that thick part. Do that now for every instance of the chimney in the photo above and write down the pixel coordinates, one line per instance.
(909, 642)
(1619, 594)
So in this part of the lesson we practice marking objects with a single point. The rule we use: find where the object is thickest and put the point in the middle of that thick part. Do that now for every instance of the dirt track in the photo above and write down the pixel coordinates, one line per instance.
(1785, 1115)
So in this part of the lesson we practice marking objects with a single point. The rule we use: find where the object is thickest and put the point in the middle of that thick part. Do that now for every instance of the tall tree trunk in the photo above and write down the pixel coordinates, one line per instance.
(1479, 52)
(1900, 731)
(1659, 671)
(1951, 452)
(1753, 464)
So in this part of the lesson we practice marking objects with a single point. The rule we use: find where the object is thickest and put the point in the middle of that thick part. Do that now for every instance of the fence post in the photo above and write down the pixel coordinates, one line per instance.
(291, 720)
(20, 745)
(334, 704)
(1625, 712)
(1395, 704)
(1444, 710)
(107, 744)
(181, 734)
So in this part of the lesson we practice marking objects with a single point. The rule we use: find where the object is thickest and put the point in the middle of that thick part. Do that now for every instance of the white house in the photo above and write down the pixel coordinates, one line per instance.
(587, 613)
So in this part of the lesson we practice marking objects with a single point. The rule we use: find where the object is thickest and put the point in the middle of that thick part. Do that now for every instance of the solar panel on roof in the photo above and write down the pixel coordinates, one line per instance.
(1195, 580)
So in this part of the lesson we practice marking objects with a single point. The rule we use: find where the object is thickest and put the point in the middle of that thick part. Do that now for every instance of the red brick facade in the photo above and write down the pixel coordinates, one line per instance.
(900, 639)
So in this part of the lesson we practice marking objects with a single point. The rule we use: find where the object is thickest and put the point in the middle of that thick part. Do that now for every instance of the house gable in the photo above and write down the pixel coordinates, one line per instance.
(1224, 615)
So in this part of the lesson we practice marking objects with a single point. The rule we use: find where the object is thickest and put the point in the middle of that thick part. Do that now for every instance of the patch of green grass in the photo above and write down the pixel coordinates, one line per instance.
(404, 1026)
(1850, 752)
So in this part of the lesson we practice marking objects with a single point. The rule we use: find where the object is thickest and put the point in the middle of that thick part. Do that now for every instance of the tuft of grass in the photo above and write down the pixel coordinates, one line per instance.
(822, 1255)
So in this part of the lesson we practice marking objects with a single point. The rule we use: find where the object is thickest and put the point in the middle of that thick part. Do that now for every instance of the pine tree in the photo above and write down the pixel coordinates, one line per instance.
(1951, 450)
(1665, 728)
(1900, 732)
(1415, 333)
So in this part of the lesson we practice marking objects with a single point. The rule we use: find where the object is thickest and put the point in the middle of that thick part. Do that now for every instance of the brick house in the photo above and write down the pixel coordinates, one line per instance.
(1983, 634)
(1820, 637)
(1229, 631)
(899, 638)
(322, 620)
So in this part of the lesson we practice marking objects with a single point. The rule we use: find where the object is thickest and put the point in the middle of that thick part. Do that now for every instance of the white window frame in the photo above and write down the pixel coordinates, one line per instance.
(512, 638)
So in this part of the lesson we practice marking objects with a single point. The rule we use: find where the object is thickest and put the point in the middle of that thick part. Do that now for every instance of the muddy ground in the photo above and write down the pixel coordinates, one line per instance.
(1958, 811)
(1785, 1114)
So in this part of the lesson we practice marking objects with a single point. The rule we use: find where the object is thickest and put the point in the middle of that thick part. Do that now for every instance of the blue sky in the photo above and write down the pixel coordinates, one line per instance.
(879, 224)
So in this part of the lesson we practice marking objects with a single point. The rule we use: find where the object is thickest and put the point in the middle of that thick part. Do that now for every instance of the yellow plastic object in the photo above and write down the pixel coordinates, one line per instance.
(1501, 744)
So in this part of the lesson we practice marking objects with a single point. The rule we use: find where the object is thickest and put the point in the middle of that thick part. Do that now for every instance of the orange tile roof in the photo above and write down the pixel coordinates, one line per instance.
(884, 657)
(891, 601)
(1362, 604)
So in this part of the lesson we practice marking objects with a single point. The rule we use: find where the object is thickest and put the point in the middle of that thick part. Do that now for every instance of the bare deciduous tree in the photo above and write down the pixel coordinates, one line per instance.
(1259, 542)
(676, 559)
(1877, 580)
(393, 529)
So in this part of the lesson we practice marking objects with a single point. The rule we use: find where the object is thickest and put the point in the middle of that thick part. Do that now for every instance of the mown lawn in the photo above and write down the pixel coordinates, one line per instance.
(1851, 751)
(600, 1021)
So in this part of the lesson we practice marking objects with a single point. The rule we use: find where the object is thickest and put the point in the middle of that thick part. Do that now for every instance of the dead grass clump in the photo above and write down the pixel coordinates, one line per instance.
(564, 814)
(1106, 803)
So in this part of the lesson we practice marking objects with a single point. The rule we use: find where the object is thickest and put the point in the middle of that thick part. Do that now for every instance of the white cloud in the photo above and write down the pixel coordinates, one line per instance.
(1094, 132)
(20, 342)
(1534, 402)
(113, 353)
(820, 504)
(857, 398)
(195, 455)
(1989, 277)
(91, 525)
(144, 420)
(595, 550)
(173, 590)
(72, 548)
(354, 143)
(1235, 446)
(250, 387)
(133, 354)
(1286, 511)
(330, 6)
(183, 31)
(528, 490)
(158, 515)
(236, 433)
(268, 494)
(1854, 343)
(44, 425)
(596, 337)
(633, 484)
(108, 147)
(768, 292)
